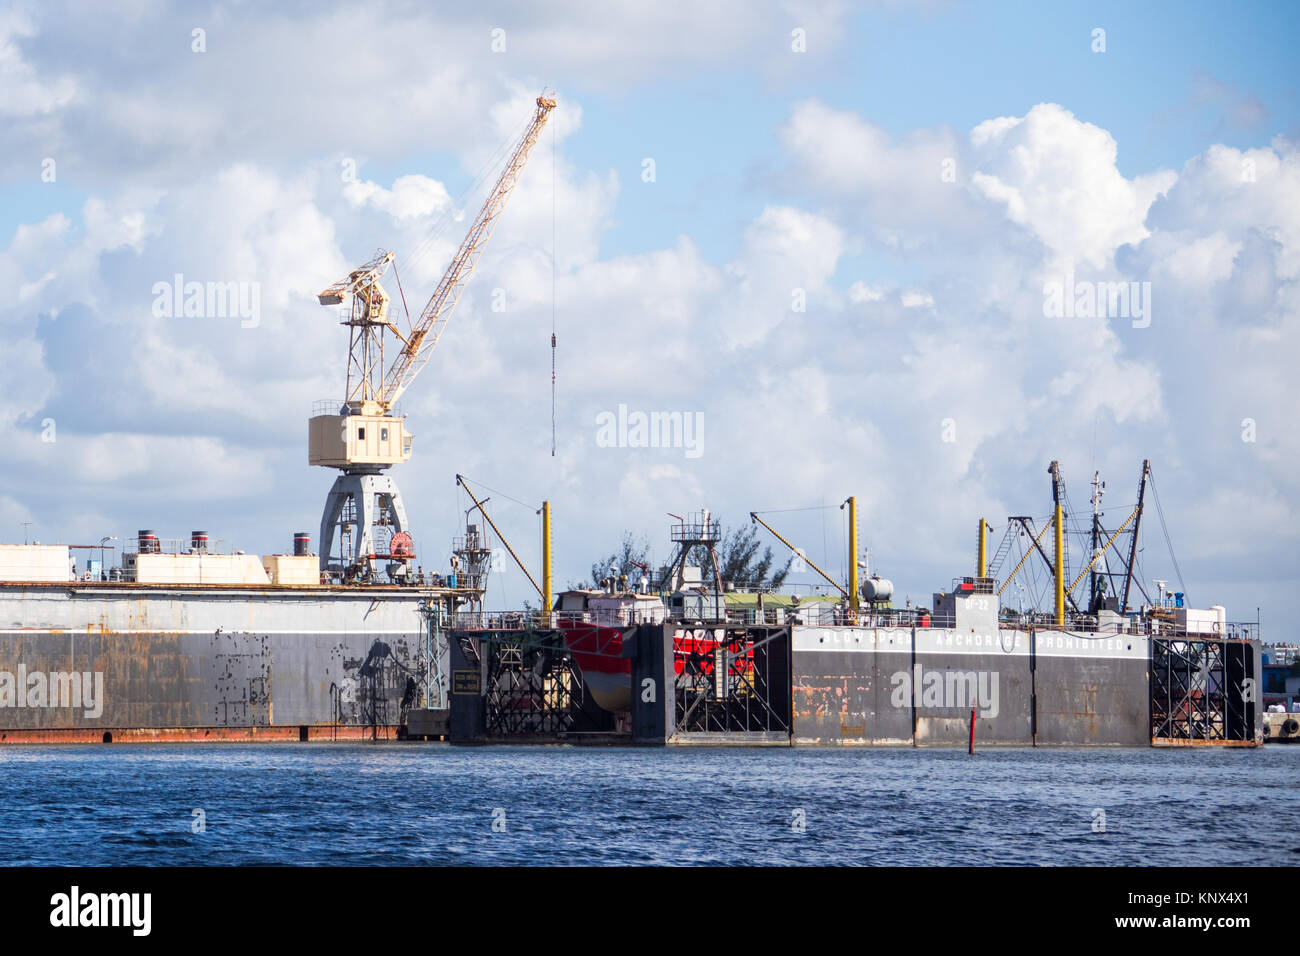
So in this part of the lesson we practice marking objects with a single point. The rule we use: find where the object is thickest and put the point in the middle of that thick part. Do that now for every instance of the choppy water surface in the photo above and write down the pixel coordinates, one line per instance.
(435, 804)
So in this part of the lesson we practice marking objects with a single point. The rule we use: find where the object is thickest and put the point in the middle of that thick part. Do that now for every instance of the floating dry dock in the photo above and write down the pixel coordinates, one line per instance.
(180, 642)
(707, 664)
(898, 679)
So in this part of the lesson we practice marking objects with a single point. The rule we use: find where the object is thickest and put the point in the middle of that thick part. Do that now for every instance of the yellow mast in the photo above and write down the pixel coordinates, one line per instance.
(546, 563)
(853, 557)
(1060, 567)
(981, 561)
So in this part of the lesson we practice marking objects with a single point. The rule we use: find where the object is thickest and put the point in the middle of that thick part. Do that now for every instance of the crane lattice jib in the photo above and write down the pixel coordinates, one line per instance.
(420, 343)
(359, 278)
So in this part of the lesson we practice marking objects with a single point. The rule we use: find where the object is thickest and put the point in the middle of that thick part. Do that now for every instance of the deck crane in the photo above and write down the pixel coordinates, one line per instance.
(364, 435)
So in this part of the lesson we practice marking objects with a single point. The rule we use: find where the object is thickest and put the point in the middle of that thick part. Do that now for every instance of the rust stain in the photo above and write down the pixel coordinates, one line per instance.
(136, 735)
(1199, 742)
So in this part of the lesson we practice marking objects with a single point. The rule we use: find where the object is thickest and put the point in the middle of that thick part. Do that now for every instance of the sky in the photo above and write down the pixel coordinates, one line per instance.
(831, 234)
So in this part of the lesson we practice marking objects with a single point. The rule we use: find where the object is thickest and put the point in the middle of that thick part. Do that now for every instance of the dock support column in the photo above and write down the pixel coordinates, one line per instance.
(1059, 533)
(654, 685)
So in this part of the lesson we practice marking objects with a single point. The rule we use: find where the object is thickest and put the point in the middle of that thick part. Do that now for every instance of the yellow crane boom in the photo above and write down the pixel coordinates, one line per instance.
(433, 320)
(753, 516)
(1101, 551)
(478, 506)
(1028, 552)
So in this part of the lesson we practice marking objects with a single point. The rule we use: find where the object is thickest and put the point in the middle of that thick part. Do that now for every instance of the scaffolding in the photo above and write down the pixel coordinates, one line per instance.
(732, 680)
(1202, 692)
(531, 685)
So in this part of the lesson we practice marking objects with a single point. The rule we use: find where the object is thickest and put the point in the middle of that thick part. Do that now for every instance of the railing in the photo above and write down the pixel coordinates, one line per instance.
(513, 620)
(532, 619)
(131, 545)
(828, 615)
(838, 616)
(1233, 630)
(626, 616)
(786, 588)
(471, 542)
(696, 528)
(336, 406)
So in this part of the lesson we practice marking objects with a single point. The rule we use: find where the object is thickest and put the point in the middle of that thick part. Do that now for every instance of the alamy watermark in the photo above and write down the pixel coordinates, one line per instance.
(946, 690)
(127, 910)
(624, 429)
(209, 300)
(1069, 299)
(53, 689)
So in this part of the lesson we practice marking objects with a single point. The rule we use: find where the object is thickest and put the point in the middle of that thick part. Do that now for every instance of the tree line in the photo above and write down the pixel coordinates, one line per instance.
(743, 561)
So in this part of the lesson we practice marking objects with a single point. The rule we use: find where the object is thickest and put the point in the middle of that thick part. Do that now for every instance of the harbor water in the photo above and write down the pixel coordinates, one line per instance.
(402, 804)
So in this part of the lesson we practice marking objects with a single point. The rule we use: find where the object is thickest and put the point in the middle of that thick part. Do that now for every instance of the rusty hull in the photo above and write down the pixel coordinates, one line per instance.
(175, 735)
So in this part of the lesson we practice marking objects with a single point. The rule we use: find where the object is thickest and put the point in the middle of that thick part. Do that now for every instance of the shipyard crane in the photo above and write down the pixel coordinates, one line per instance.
(364, 435)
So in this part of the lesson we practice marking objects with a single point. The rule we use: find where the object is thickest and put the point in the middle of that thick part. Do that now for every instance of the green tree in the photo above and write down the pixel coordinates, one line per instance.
(743, 560)
(624, 561)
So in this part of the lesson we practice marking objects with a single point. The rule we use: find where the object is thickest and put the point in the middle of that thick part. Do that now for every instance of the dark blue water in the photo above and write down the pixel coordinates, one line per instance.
(431, 804)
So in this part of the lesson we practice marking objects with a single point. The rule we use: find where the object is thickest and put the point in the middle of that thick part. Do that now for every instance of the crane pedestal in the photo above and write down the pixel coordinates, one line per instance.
(362, 506)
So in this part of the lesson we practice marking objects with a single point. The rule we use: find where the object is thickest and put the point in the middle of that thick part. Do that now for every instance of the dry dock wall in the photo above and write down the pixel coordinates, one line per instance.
(907, 686)
(161, 664)
(165, 681)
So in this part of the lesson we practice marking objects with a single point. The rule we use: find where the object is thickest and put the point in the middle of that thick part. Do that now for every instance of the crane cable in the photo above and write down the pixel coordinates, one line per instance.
(499, 494)
(1165, 528)
(553, 134)
(1028, 552)
(405, 308)
(440, 224)
(779, 511)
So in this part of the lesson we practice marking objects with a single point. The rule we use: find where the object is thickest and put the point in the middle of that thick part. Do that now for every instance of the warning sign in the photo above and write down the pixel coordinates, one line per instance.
(464, 682)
